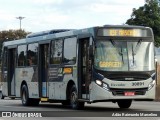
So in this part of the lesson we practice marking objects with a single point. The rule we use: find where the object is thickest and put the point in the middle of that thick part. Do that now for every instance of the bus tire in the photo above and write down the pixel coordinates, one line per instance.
(124, 103)
(74, 103)
(26, 101)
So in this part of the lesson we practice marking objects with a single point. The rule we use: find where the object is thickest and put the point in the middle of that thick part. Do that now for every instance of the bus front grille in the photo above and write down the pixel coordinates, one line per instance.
(121, 92)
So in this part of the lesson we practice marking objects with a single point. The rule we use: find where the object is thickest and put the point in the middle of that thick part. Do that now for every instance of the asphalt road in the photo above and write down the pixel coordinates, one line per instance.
(96, 111)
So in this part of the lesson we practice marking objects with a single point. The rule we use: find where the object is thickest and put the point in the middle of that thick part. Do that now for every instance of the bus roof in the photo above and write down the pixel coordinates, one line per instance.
(14, 42)
(59, 33)
(37, 34)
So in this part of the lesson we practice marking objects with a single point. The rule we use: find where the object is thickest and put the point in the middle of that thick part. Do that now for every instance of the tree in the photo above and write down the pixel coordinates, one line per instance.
(11, 35)
(148, 15)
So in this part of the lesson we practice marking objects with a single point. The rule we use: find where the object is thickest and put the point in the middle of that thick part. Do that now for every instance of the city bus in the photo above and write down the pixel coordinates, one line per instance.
(110, 63)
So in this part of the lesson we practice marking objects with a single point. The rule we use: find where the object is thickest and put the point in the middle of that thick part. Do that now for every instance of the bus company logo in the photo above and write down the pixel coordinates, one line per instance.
(117, 85)
(129, 78)
(6, 114)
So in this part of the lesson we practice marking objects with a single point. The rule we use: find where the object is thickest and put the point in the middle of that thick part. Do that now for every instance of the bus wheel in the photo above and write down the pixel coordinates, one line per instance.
(25, 96)
(124, 103)
(75, 104)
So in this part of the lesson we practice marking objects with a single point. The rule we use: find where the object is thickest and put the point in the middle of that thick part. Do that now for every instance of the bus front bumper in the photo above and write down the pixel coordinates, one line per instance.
(98, 93)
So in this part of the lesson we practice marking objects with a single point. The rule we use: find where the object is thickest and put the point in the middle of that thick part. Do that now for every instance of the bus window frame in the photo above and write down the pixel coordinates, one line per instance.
(4, 57)
(27, 65)
(18, 56)
(63, 39)
(51, 51)
(75, 50)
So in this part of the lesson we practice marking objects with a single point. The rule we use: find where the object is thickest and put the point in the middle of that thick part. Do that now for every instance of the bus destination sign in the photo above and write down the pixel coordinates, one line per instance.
(121, 32)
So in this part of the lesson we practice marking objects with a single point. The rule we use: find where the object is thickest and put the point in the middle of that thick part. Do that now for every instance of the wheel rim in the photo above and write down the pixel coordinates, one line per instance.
(24, 97)
(73, 99)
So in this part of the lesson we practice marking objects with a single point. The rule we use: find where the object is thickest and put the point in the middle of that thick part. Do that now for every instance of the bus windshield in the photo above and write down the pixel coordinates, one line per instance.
(118, 55)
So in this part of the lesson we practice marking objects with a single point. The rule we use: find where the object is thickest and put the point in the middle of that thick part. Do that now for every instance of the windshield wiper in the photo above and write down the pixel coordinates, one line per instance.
(116, 46)
(134, 50)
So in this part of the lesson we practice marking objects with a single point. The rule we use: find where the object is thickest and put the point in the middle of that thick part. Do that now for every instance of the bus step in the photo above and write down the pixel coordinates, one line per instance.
(44, 99)
(12, 97)
(84, 100)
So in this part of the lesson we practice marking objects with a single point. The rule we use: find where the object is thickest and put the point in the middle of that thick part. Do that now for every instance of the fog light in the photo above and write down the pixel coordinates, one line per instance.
(105, 86)
(151, 84)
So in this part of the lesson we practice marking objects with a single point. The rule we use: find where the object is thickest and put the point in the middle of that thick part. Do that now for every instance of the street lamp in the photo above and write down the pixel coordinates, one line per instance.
(20, 19)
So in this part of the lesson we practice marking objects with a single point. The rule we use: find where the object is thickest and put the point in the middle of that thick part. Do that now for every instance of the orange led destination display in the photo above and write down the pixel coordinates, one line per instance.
(104, 64)
(121, 32)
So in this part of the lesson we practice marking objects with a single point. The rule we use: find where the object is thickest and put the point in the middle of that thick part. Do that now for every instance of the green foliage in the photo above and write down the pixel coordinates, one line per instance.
(148, 15)
(11, 35)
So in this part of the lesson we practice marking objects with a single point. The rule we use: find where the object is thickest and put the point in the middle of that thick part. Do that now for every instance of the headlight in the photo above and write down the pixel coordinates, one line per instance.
(102, 84)
(99, 82)
(151, 84)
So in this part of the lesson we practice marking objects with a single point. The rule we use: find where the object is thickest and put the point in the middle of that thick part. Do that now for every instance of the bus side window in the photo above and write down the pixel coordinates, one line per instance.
(32, 54)
(4, 58)
(4, 65)
(56, 52)
(22, 55)
(70, 47)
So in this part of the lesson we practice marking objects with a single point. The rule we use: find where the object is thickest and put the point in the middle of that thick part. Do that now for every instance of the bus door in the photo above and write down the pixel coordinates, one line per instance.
(84, 68)
(43, 70)
(11, 71)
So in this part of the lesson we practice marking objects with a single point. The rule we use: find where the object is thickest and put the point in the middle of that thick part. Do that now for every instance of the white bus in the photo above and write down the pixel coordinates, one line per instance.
(108, 63)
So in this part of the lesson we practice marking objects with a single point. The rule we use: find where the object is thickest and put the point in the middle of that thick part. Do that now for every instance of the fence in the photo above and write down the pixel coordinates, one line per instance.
(158, 82)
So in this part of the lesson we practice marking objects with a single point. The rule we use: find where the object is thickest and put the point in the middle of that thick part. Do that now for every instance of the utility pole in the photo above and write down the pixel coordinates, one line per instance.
(20, 19)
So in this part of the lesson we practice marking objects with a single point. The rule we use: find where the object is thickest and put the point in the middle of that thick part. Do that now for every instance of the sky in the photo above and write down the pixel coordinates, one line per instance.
(41, 15)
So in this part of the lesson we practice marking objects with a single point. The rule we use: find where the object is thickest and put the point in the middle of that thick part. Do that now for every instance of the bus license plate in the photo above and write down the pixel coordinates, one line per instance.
(129, 93)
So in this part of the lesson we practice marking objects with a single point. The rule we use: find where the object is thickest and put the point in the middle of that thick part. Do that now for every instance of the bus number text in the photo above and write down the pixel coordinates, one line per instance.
(137, 83)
